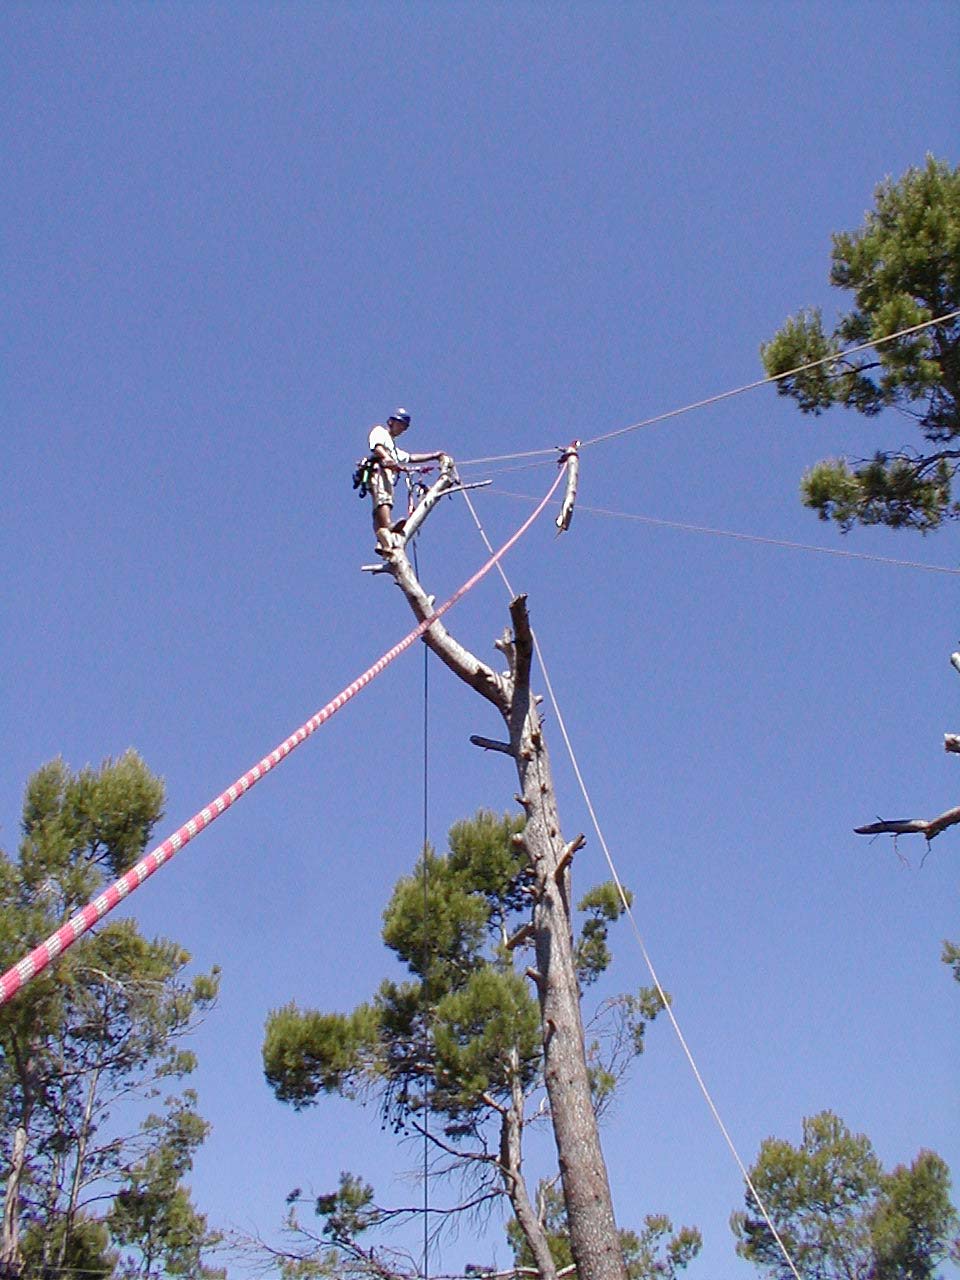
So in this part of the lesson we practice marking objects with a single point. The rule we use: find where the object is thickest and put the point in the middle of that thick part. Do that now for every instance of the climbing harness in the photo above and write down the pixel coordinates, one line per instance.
(361, 476)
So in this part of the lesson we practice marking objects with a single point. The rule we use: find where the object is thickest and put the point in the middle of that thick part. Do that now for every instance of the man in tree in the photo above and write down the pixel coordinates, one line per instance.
(460, 1043)
(387, 459)
(903, 269)
(840, 1217)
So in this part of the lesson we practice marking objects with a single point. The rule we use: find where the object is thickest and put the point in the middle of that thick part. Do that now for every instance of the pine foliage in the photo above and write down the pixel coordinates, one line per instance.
(902, 268)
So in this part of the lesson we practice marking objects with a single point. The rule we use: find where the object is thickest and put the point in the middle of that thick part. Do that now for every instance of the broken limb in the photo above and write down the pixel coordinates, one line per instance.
(928, 828)
(911, 826)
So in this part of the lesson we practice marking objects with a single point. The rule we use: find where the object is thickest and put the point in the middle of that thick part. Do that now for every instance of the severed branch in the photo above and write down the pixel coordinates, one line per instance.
(928, 828)
(911, 826)
(571, 456)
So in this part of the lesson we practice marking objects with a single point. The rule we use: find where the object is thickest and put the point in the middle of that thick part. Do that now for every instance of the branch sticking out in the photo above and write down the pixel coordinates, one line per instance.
(911, 826)
(490, 744)
(523, 934)
(567, 856)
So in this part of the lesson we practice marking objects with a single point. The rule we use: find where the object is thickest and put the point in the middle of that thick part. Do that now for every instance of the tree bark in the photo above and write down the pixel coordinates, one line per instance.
(11, 1261)
(511, 1131)
(80, 1159)
(594, 1238)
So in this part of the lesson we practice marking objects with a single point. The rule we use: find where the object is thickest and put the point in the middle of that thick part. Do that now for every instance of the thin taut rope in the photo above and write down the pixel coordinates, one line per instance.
(725, 395)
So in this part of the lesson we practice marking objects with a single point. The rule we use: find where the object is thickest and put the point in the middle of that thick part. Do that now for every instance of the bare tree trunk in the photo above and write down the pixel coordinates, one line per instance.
(594, 1238)
(83, 1140)
(511, 1131)
(10, 1260)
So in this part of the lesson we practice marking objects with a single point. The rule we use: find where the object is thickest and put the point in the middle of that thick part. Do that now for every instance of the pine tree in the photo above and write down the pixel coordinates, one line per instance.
(454, 1051)
(840, 1216)
(91, 1033)
(902, 268)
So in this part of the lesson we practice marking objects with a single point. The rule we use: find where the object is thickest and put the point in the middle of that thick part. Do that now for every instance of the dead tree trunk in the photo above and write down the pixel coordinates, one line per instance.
(593, 1233)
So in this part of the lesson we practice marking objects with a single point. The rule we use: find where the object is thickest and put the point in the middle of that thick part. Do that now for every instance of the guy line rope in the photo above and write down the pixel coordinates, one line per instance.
(724, 395)
(629, 913)
(38, 959)
(744, 537)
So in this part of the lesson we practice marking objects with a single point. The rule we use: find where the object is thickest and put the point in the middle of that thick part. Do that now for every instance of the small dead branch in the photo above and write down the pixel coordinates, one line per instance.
(490, 744)
(911, 826)
(569, 850)
(523, 934)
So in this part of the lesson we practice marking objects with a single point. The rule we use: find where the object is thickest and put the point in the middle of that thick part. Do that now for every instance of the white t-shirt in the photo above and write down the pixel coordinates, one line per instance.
(380, 435)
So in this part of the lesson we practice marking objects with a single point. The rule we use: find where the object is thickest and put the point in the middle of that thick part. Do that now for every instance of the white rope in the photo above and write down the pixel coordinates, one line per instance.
(726, 395)
(626, 906)
(743, 537)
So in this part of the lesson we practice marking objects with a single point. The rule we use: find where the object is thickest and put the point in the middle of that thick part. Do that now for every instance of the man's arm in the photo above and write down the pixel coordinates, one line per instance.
(386, 459)
(438, 456)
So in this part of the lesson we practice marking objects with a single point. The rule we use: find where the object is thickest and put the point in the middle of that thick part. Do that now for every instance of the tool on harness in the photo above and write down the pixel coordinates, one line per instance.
(361, 476)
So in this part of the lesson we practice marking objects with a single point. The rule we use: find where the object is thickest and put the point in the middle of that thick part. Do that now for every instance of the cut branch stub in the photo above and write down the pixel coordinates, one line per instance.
(491, 744)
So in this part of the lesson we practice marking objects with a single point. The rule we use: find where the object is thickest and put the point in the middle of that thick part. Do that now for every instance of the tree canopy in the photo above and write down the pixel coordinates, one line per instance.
(840, 1216)
(902, 268)
(458, 1041)
(91, 1037)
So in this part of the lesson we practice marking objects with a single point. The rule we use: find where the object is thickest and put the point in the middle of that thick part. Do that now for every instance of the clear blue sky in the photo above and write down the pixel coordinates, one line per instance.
(233, 237)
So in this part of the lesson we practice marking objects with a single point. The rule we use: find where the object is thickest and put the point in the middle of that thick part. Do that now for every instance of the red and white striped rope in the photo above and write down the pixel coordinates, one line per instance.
(38, 959)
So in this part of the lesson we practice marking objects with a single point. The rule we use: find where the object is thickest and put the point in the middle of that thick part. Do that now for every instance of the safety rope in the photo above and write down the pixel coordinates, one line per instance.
(629, 913)
(38, 959)
(725, 395)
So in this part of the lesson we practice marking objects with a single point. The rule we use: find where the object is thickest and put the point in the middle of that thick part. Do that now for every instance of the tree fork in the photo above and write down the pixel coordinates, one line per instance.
(594, 1239)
